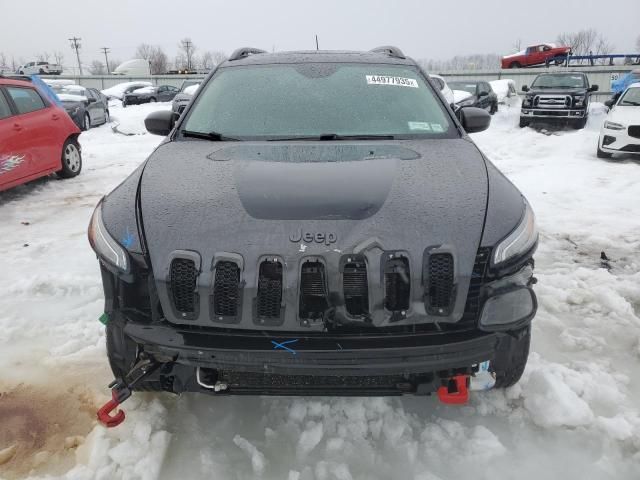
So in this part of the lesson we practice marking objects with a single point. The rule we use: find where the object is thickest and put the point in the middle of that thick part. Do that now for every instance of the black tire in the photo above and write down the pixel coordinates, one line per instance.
(511, 358)
(86, 123)
(41, 72)
(524, 122)
(71, 159)
(21, 72)
(122, 353)
(152, 100)
(515, 65)
(494, 108)
(601, 153)
(107, 116)
(580, 124)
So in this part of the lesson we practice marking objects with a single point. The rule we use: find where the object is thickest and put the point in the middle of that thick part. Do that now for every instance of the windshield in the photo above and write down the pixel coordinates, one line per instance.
(464, 86)
(631, 98)
(314, 99)
(559, 80)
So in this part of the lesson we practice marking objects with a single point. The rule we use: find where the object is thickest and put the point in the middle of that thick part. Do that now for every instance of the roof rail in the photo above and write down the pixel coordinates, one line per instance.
(11, 76)
(244, 52)
(389, 50)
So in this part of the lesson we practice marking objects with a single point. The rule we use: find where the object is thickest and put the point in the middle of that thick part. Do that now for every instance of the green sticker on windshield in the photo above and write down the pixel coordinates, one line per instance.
(424, 126)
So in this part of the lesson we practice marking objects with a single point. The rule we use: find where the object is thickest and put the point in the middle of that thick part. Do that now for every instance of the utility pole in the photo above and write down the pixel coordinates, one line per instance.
(106, 58)
(75, 45)
(317, 48)
(187, 47)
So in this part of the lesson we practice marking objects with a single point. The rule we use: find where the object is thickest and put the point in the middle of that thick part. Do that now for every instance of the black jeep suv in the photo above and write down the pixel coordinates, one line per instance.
(557, 97)
(316, 223)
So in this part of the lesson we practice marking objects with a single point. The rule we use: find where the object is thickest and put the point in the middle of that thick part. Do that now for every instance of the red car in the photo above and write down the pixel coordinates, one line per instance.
(536, 55)
(37, 137)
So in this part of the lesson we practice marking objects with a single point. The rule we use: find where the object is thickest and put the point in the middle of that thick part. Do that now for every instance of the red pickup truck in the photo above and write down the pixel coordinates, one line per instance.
(536, 55)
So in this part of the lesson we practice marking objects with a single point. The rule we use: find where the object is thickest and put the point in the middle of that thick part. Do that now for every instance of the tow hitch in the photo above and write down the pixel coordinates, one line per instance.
(456, 392)
(121, 389)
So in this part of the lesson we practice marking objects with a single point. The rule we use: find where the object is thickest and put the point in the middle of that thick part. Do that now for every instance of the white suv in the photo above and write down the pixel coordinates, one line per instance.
(620, 132)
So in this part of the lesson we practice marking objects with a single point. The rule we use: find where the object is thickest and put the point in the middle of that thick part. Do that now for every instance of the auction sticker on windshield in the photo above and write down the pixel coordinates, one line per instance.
(389, 80)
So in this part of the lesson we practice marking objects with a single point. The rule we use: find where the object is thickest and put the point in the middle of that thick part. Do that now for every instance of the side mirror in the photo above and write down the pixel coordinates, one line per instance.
(160, 123)
(91, 100)
(594, 88)
(483, 94)
(525, 88)
(610, 103)
(474, 119)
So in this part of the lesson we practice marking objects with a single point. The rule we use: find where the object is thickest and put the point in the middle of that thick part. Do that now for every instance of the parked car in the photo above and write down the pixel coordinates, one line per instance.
(162, 93)
(307, 230)
(481, 95)
(620, 132)
(37, 137)
(41, 68)
(543, 53)
(182, 99)
(441, 83)
(505, 90)
(86, 106)
(557, 97)
(121, 89)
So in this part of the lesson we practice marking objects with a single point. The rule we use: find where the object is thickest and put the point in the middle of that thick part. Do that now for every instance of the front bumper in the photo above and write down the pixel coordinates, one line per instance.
(618, 141)
(556, 114)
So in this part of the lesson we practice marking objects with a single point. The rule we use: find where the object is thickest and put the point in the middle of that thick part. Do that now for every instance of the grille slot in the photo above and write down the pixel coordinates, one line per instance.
(355, 288)
(313, 291)
(183, 276)
(634, 131)
(397, 284)
(226, 289)
(478, 277)
(269, 300)
(440, 286)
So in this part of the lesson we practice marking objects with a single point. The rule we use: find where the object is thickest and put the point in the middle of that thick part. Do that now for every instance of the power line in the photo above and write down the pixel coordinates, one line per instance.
(106, 58)
(186, 44)
(75, 45)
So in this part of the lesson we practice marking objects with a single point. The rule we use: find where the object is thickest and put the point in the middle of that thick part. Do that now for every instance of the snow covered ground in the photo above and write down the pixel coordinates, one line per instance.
(574, 415)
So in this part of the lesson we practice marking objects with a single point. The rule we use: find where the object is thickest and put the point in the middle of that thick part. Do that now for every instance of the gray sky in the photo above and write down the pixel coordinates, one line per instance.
(434, 29)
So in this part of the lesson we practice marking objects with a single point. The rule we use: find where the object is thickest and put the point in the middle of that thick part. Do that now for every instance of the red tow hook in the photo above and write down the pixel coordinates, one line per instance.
(459, 396)
(104, 413)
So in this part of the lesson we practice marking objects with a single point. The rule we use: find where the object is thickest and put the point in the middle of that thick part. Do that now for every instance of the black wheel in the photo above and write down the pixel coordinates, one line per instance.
(86, 122)
(41, 72)
(515, 65)
(602, 153)
(71, 159)
(122, 353)
(511, 357)
(580, 124)
(152, 100)
(124, 104)
(494, 108)
(559, 60)
(524, 122)
(21, 72)
(107, 116)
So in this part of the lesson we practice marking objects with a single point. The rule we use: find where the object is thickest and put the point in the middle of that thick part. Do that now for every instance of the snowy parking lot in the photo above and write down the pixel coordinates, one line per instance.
(574, 415)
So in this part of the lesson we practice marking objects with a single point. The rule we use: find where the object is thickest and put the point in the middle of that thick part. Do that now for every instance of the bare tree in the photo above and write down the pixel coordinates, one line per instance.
(58, 57)
(180, 61)
(517, 45)
(42, 57)
(113, 64)
(97, 68)
(463, 62)
(3, 59)
(158, 60)
(585, 42)
(187, 47)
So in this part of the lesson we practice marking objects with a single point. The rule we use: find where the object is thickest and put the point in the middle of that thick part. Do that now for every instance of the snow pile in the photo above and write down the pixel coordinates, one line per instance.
(501, 88)
(67, 97)
(191, 89)
(144, 90)
(574, 415)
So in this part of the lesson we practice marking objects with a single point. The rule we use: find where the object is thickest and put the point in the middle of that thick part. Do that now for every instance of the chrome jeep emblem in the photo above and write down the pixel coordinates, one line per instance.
(309, 237)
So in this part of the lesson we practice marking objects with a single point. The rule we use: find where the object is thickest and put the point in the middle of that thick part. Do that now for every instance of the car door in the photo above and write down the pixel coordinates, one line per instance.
(100, 105)
(162, 93)
(93, 108)
(14, 144)
(36, 117)
(171, 92)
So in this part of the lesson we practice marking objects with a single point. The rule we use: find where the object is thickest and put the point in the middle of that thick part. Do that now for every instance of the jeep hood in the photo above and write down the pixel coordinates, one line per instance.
(322, 199)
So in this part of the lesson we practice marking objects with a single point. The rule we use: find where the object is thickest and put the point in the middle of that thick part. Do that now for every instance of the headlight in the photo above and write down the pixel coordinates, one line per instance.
(520, 240)
(103, 244)
(578, 101)
(613, 126)
(466, 102)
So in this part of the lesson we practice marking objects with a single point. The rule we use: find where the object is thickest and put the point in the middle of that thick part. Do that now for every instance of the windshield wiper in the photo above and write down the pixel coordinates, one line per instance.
(629, 102)
(333, 136)
(213, 136)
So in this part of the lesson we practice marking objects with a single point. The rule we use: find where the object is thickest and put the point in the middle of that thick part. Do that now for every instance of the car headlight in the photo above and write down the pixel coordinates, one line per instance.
(520, 240)
(466, 102)
(613, 125)
(578, 101)
(103, 244)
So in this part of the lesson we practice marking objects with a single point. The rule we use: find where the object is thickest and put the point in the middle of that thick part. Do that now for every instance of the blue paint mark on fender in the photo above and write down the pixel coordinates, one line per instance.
(128, 239)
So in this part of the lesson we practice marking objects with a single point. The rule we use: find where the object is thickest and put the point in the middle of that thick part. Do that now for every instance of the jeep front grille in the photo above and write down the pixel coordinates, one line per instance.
(478, 278)
(313, 291)
(397, 284)
(356, 288)
(269, 300)
(183, 276)
(440, 283)
(226, 289)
